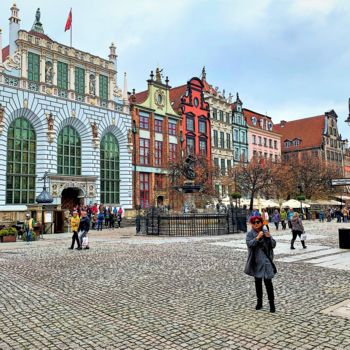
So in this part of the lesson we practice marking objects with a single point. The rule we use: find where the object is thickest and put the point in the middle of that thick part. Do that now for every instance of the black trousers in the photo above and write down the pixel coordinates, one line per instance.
(259, 289)
(295, 235)
(75, 238)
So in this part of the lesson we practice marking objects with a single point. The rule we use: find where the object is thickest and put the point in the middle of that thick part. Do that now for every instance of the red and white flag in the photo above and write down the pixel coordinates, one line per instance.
(69, 21)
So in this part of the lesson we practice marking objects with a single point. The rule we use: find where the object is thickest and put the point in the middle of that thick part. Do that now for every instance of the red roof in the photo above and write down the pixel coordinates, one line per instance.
(139, 98)
(249, 115)
(5, 52)
(308, 130)
(176, 95)
(209, 88)
(40, 35)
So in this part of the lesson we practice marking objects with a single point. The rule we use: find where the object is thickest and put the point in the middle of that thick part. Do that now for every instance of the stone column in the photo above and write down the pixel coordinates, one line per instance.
(87, 82)
(42, 68)
(71, 78)
(54, 72)
(97, 82)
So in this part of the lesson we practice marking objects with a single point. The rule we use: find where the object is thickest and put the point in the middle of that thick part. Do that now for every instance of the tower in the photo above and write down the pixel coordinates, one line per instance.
(113, 58)
(14, 27)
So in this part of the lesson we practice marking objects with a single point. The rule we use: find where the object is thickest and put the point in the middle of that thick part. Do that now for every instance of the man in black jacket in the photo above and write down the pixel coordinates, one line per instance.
(84, 227)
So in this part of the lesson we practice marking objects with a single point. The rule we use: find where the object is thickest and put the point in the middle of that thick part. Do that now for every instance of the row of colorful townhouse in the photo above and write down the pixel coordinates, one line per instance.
(63, 111)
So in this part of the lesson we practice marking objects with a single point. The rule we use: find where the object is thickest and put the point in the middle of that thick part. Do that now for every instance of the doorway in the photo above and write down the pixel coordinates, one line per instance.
(160, 201)
(71, 197)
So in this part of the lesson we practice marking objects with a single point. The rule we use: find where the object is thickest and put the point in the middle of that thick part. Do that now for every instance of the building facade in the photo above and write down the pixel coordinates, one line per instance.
(263, 138)
(62, 113)
(155, 142)
(221, 130)
(188, 100)
(316, 136)
(239, 133)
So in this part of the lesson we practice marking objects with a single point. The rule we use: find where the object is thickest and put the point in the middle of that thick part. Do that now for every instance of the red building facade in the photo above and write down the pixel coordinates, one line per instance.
(188, 100)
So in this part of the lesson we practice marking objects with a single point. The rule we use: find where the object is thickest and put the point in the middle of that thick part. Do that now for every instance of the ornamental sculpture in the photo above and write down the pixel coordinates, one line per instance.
(92, 85)
(2, 115)
(12, 62)
(50, 127)
(48, 72)
(94, 130)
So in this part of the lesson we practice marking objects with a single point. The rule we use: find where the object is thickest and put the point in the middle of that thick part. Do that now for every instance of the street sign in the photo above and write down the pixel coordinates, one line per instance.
(340, 182)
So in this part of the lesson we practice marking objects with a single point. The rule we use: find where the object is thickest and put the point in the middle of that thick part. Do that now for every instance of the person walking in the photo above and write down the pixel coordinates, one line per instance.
(119, 219)
(276, 218)
(84, 227)
(74, 223)
(28, 226)
(321, 215)
(283, 217)
(290, 214)
(297, 230)
(265, 217)
(260, 261)
(100, 220)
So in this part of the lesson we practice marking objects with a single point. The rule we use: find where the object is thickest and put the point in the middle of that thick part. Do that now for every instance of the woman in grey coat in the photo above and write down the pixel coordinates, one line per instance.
(260, 260)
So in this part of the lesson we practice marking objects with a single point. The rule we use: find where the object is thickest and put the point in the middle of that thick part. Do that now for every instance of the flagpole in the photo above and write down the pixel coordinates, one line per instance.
(71, 28)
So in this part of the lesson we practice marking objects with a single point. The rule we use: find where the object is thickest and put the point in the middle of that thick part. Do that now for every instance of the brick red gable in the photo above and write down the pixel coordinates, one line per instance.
(5, 52)
(308, 130)
(40, 35)
(176, 95)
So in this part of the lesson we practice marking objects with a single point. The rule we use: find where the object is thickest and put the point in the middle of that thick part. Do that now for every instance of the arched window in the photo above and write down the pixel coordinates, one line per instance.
(109, 155)
(68, 152)
(21, 159)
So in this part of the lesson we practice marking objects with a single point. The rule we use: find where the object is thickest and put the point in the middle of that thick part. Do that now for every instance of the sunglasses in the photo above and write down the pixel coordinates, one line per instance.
(257, 222)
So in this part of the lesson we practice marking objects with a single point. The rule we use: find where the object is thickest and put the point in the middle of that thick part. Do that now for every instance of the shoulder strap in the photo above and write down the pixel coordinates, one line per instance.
(271, 262)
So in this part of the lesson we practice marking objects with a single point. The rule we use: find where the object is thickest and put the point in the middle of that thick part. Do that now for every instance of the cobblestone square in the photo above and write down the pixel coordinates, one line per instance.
(130, 292)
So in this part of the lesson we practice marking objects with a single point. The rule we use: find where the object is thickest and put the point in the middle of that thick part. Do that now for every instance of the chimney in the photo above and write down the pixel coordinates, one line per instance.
(283, 123)
(14, 27)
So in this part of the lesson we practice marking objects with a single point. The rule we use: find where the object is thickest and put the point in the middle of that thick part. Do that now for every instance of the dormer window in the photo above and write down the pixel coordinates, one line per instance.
(296, 142)
(270, 126)
(287, 144)
(261, 123)
(239, 108)
(254, 121)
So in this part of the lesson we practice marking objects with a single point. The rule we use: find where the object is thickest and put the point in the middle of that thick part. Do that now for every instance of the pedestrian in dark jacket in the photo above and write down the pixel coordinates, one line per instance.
(297, 230)
(100, 220)
(276, 218)
(84, 226)
(260, 261)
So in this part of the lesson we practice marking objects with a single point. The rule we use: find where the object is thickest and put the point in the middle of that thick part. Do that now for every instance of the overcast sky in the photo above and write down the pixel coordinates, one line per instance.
(287, 58)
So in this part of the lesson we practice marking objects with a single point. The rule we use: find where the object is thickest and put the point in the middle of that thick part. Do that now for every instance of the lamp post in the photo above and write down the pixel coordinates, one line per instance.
(134, 132)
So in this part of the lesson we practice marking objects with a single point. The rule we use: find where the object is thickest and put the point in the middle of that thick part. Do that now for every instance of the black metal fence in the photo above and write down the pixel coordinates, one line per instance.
(155, 222)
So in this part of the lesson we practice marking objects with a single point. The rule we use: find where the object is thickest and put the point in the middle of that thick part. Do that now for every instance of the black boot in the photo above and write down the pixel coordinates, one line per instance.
(292, 244)
(270, 294)
(303, 244)
(259, 293)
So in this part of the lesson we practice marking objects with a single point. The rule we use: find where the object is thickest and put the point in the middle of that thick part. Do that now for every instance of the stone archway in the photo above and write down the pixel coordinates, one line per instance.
(71, 197)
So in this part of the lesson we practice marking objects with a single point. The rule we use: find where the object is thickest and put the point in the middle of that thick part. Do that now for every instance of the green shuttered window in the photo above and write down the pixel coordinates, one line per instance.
(79, 81)
(103, 87)
(21, 160)
(69, 152)
(109, 154)
(62, 75)
(33, 67)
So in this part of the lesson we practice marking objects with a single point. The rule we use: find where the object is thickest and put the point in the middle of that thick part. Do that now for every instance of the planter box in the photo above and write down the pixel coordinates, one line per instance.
(8, 239)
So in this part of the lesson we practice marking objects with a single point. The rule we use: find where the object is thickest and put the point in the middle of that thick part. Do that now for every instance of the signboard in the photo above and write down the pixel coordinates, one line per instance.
(340, 182)
(48, 217)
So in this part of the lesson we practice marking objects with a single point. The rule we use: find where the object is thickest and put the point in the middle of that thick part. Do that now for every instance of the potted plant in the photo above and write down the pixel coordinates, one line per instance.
(8, 234)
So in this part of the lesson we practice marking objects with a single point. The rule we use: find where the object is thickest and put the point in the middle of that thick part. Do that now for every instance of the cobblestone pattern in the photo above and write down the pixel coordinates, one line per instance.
(190, 295)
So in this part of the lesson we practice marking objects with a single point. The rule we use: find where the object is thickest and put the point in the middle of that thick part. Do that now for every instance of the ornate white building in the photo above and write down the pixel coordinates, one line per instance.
(61, 112)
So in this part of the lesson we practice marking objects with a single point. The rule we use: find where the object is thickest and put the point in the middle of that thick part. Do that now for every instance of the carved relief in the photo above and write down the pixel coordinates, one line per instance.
(12, 62)
(94, 130)
(50, 127)
(2, 116)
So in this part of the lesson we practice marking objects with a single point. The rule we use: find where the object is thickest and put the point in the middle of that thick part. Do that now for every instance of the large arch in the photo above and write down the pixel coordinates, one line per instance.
(20, 162)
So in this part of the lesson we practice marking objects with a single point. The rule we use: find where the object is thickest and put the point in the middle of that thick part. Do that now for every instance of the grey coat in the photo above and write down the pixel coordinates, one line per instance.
(258, 265)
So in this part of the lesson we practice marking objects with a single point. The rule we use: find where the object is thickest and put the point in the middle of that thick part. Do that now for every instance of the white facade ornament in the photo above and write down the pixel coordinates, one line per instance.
(12, 62)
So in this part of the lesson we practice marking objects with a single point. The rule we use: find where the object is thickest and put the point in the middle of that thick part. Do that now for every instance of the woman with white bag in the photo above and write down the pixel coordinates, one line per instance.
(84, 227)
(297, 230)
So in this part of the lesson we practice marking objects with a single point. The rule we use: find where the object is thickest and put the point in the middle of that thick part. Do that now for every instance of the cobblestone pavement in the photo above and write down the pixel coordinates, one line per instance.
(130, 292)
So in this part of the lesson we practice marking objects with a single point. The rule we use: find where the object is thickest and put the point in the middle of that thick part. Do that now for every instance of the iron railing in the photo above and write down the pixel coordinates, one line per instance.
(155, 222)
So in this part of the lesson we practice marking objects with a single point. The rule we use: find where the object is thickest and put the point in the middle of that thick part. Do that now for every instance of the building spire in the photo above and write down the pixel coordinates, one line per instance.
(125, 91)
(112, 53)
(14, 14)
(204, 74)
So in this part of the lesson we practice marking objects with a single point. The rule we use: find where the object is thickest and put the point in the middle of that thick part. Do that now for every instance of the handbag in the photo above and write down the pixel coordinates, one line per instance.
(271, 262)
(303, 236)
